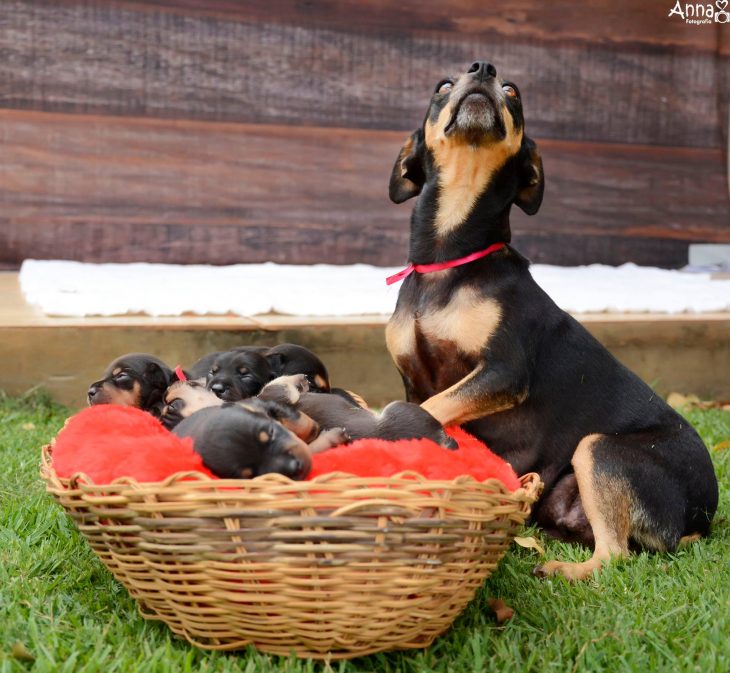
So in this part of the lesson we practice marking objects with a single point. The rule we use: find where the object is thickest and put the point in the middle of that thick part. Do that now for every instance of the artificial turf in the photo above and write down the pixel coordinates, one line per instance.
(60, 610)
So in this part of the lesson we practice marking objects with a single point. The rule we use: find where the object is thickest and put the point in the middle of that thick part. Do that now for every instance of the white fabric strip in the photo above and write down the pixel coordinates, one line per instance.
(66, 288)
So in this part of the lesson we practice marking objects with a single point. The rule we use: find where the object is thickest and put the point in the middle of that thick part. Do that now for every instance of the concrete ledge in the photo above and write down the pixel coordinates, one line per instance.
(685, 353)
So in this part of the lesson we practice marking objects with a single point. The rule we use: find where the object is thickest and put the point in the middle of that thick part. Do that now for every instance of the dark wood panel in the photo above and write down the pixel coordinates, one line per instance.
(117, 189)
(117, 59)
(612, 21)
(576, 249)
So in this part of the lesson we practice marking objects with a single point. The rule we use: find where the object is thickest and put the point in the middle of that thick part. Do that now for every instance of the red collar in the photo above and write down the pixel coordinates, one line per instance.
(440, 266)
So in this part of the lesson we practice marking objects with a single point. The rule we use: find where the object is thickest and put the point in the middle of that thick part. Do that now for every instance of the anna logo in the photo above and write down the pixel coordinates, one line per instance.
(700, 12)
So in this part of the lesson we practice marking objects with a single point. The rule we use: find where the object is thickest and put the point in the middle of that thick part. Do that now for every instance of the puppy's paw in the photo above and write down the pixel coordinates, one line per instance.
(338, 436)
(328, 439)
(285, 389)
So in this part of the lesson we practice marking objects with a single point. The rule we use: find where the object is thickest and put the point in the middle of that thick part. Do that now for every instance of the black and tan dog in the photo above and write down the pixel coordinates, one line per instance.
(479, 343)
(133, 380)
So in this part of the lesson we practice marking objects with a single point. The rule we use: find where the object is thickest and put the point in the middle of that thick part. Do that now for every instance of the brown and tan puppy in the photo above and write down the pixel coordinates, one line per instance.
(133, 380)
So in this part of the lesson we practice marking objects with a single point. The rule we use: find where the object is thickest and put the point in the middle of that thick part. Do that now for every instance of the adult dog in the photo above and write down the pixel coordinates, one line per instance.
(479, 343)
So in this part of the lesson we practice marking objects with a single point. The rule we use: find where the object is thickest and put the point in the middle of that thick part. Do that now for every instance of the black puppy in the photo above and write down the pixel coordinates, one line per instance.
(238, 374)
(478, 342)
(238, 441)
(289, 359)
(133, 380)
(222, 370)
(398, 420)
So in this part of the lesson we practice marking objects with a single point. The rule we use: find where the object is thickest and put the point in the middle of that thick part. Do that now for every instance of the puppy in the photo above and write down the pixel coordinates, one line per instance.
(288, 359)
(283, 360)
(477, 342)
(133, 380)
(238, 441)
(399, 420)
(238, 374)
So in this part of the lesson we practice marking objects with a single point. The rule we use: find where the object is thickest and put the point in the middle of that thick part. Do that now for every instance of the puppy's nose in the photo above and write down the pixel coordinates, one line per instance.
(293, 466)
(219, 388)
(482, 70)
(91, 393)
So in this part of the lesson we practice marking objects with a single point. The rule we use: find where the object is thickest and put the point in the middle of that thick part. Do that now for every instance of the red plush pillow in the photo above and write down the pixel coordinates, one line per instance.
(108, 441)
(381, 458)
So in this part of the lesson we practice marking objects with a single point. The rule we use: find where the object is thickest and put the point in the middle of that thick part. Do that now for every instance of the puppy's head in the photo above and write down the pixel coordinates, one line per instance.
(183, 399)
(290, 359)
(238, 441)
(238, 374)
(472, 142)
(133, 380)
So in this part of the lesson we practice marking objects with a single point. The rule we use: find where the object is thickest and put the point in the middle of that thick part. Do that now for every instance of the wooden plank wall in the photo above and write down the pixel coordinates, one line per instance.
(225, 131)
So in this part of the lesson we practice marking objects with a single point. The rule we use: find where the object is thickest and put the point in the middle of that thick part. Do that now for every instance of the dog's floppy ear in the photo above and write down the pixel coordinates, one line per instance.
(532, 178)
(408, 175)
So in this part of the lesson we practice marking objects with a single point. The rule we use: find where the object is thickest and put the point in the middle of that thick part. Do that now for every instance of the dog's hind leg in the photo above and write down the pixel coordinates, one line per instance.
(607, 504)
(648, 487)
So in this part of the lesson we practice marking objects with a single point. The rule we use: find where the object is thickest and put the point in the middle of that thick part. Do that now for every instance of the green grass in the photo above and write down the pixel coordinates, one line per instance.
(665, 612)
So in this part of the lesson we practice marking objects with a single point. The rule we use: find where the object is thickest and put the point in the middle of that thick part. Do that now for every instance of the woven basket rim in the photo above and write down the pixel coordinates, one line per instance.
(530, 489)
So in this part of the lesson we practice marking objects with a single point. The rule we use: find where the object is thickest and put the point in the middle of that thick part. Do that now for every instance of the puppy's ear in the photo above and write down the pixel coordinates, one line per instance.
(159, 377)
(276, 363)
(408, 174)
(532, 178)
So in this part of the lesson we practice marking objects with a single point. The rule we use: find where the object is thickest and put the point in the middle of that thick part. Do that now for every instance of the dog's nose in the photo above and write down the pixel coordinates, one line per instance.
(482, 70)
(91, 392)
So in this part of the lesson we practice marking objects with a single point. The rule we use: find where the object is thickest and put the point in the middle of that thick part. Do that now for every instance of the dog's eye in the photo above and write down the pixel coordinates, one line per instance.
(509, 90)
(122, 377)
(445, 86)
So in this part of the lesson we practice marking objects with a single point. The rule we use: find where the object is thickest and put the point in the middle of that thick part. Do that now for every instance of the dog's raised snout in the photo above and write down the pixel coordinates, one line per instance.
(92, 391)
(482, 70)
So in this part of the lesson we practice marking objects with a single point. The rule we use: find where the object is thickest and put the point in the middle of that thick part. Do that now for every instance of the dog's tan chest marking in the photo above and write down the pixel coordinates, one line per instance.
(436, 348)
(468, 321)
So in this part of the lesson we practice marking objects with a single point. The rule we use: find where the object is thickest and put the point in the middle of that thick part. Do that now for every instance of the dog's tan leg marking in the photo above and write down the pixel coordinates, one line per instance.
(689, 539)
(458, 404)
(607, 504)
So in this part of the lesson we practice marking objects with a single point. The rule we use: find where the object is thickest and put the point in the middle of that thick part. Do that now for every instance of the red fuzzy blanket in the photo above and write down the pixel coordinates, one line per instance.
(108, 441)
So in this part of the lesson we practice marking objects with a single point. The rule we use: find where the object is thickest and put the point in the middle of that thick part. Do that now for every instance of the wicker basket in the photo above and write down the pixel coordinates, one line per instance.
(336, 567)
